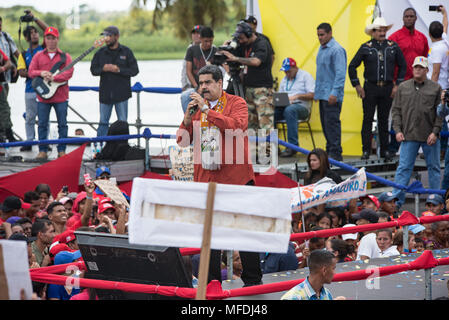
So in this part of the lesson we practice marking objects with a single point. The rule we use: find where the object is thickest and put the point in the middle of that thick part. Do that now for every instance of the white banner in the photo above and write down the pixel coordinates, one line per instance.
(326, 190)
(247, 218)
(14, 270)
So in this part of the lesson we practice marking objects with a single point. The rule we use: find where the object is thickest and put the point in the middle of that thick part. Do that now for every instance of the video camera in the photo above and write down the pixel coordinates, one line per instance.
(27, 18)
(219, 58)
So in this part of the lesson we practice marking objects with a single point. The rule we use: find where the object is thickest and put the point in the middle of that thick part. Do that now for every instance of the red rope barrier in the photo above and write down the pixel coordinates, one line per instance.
(214, 290)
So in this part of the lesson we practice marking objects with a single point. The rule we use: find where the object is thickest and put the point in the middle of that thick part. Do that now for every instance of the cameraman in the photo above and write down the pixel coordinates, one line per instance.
(31, 36)
(442, 112)
(254, 54)
(8, 46)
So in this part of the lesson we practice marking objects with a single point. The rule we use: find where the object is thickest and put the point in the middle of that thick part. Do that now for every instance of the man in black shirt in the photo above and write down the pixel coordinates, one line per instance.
(115, 64)
(380, 57)
(254, 54)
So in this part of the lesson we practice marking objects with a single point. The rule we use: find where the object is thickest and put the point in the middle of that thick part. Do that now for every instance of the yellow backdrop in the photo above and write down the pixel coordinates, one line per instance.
(291, 27)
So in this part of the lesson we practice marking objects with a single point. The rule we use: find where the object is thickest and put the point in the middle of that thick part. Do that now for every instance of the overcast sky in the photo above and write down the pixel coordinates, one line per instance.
(65, 6)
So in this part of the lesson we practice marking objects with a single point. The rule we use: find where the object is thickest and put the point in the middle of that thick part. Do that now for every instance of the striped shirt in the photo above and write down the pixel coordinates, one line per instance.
(304, 291)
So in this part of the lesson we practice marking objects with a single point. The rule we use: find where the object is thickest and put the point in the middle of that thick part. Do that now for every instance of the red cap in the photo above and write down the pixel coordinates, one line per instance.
(52, 31)
(104, 205)
(373, 199)
(67, 236)
(56, 248)
(26, 205)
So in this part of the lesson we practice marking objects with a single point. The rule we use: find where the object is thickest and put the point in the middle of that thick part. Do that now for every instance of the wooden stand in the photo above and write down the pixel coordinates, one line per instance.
(203, 273)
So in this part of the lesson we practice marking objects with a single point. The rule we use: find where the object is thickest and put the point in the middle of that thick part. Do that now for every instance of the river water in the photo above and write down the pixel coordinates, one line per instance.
(155, 108)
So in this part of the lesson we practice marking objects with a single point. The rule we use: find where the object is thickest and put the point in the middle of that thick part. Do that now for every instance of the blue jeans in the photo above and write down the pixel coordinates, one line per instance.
(31, 113)
(185, 98)
(121, 109)
(292, 113)
(331, 124)
(43, 114)
(407, 157)
(445, 182)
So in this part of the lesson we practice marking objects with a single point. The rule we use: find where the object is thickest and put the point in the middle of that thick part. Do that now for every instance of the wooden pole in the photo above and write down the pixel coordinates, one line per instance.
(203, 272)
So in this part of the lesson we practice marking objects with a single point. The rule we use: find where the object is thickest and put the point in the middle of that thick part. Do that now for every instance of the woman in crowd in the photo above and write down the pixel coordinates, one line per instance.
(324, 220)
(384, 239)
(440, 236)
(341, 249)
(319, 167)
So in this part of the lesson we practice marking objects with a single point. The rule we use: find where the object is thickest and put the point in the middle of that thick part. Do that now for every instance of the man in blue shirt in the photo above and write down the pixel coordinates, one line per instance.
(322, 266)
(300, 86)
(329, 88)
(32, 37)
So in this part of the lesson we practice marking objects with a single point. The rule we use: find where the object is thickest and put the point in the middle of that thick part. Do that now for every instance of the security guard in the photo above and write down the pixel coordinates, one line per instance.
(380, 57)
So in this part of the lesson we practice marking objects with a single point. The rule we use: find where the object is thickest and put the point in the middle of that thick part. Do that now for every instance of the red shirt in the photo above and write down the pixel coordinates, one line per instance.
(5, 58)
(42, 62)
(412, 44)
(234, 117)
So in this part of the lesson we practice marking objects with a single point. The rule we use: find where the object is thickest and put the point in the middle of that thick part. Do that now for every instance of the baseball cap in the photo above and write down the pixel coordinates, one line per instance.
(65, 199)
(64, 257)
(347, 236)
(373, 199)
(102, 170)
(57, 247)
(196, 28)
(287, 64)
(421, 61)
(21, 237)
(416, 228)
(11, 203)
(428, 214)
(51, 31)
(67, 236)
(110, 31)
(435, 199)
(367, 214)
(13, 219)
(386, 197)
(251, 19)
(104, 205)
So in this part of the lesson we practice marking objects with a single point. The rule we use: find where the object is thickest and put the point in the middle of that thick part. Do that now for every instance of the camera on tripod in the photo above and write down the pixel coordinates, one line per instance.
(219, 58)
(27, 18)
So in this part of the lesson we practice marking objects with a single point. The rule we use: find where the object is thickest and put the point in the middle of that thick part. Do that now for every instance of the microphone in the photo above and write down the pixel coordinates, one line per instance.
(195, 107)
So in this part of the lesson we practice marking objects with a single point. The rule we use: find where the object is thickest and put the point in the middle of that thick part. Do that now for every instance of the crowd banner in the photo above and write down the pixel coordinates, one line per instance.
(326, 190)
(171, 213)
(14, 272)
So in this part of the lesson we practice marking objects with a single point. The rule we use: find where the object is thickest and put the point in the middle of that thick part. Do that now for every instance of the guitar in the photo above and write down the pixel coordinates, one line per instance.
(47, 89)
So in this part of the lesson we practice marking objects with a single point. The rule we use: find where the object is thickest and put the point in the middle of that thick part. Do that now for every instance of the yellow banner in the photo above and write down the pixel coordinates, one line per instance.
(291, 26)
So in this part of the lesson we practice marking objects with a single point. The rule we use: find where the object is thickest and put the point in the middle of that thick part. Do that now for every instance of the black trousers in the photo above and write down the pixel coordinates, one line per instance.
(252, 273)
(376, 96)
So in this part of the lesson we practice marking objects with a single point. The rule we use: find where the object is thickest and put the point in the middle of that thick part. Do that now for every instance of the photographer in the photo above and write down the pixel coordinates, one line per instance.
(442, 112)
(8, 46)
(31, 36)
(254, 54)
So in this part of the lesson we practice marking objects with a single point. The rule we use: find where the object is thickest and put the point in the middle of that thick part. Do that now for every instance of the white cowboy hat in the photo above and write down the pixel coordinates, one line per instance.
(377, 23)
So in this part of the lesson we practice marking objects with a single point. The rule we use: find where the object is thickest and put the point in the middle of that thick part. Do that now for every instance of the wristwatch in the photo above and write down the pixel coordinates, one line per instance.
(204, 108)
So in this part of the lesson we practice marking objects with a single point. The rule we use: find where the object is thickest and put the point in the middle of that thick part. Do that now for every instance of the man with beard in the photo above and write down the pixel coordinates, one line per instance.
(31, 35)
(115, 64)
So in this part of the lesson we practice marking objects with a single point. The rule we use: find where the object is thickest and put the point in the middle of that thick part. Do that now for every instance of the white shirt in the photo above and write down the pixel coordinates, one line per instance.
(391, 251)
(368, 247)
(439, 53)
(302, 83)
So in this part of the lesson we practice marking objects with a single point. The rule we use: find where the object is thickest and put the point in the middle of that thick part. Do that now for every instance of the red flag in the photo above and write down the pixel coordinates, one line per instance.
(274, 179)
(127, 186)
(64, 171)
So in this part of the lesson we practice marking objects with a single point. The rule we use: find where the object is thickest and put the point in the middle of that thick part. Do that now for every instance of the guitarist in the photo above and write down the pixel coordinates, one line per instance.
(44, 64)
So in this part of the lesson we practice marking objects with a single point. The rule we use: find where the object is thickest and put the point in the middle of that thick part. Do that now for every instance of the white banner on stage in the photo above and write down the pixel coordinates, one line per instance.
(326, 190)
(247, 218)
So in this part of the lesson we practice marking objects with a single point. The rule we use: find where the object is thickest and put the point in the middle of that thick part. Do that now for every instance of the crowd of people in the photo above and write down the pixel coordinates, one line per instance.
(47, 222)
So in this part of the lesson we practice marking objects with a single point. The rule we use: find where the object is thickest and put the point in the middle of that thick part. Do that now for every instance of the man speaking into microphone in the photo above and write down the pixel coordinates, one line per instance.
(217, 122)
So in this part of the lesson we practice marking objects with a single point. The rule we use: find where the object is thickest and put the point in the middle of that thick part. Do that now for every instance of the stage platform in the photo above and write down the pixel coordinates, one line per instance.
(408, 285)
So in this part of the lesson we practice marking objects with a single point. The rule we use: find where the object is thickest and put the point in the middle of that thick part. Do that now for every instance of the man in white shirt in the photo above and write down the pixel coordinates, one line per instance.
(300, 87)
(439, 52)
(368, 247)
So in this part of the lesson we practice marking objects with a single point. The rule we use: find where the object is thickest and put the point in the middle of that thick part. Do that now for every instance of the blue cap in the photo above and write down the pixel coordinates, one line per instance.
(416, 228)
(102, 170)
(386, 197)
(435, 199)
(64, 257)
(287, 64)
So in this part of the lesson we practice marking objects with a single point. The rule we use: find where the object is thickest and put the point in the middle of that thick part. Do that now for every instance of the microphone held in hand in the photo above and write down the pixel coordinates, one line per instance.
(195, 107)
